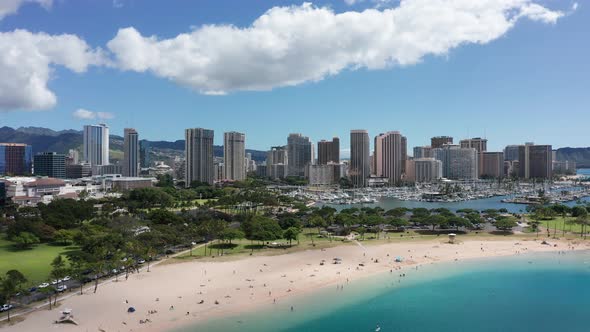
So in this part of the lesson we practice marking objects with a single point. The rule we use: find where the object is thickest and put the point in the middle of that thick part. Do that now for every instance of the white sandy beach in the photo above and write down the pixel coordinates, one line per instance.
(247, 283)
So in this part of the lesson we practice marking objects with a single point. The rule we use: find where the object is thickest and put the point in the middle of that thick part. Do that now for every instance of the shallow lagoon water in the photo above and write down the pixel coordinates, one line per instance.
(532, 292)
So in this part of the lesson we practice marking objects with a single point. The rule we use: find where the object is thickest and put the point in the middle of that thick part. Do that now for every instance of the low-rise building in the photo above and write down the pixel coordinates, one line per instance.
(320, 175)
(564, 167)
(78, 171)
(130, 183)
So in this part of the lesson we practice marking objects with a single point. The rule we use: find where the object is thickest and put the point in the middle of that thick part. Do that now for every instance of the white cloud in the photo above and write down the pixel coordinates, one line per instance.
(118, 3)
(27, 61)
(85, 114)
(352, 2)
(292, 45)
(8, 7)
(104, 115)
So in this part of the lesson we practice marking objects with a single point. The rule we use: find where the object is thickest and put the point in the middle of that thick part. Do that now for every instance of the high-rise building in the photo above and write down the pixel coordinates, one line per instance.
(144, 154)
(410, 175)
(439, 141)
(219, 169)
(535, 161)
(2, 193)
(404, 153)
(478, 143)
(299, 154)
(523, 161)
(277, 155)
(96, 144)
(234, 154)
(15, 159)
(389, 156)
(50, 164)
(458, 163)
(427, 170)
(422, 152)
(249, 163)
(359, 169)
(276, 162)
(511, 152)
(540, 162)
(198, 156)
(493, 165)
(73, 157)
(130, 152)
(329, 151)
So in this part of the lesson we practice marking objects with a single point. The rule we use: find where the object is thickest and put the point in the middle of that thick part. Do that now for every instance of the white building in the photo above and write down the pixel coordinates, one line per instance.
(427, 169)
(320, 175)
(96, 144)
(234, 154)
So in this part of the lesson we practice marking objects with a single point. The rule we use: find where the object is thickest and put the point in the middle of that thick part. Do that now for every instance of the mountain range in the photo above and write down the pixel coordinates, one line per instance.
(48, 140)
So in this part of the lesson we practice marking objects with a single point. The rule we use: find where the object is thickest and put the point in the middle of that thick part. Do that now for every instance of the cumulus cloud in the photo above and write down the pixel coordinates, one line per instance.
(27, 61)
(8, 7)
(292, 45)
(104, 115)
(84, 114)
(352, 2)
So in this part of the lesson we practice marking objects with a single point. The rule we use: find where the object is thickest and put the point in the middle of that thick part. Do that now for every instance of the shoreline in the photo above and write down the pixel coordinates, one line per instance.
(250, 283)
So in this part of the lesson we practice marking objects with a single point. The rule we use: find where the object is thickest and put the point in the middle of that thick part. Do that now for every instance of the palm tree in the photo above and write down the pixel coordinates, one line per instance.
(76, 270)
(583, 222)
(150, 252)
(58, 272)
(10, 285)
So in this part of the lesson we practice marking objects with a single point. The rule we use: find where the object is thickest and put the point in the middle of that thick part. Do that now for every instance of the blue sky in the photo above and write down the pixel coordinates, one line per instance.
(530, 83)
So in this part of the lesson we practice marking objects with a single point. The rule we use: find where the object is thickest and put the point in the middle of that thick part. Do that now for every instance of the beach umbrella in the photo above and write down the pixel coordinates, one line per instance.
(131, 310)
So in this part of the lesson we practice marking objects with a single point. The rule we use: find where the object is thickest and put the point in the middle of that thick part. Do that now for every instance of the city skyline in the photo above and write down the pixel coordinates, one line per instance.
(498, 80)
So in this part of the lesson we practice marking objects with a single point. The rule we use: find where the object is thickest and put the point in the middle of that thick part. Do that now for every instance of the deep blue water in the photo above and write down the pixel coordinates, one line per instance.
(476, 204)
(538, 292)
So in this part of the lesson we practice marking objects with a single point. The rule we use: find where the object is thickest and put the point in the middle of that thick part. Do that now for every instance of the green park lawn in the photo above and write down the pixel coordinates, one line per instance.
(245, 247)
(570, 226)
(34, 263)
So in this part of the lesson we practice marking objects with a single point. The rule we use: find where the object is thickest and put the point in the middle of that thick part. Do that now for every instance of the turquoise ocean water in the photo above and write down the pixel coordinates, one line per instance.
(533, 292)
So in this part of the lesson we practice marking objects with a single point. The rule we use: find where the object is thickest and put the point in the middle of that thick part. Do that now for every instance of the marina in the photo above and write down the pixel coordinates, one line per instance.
(454, 195)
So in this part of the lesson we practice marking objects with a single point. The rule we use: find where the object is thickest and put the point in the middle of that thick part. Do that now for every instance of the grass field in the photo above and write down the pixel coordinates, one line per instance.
(245, 247)
(570, 226)
(34, 263)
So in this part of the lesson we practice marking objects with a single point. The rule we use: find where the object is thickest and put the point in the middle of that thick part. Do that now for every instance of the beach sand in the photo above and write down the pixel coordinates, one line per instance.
(242, 284)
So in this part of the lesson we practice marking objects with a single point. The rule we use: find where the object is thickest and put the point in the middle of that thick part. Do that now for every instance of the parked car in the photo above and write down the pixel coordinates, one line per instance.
(44, 285)
(67, 278)
(62, 288)
(141, 261)
(32, 289)
(6, 307)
